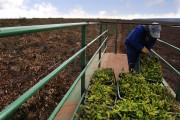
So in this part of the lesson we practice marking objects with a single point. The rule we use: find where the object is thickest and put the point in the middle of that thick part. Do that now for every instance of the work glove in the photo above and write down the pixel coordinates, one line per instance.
(145, 50)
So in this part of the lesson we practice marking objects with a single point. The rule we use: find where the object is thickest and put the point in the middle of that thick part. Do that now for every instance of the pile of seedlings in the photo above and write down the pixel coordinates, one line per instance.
(144, 100)
(151, 69)
(100, 96)
(132, 96)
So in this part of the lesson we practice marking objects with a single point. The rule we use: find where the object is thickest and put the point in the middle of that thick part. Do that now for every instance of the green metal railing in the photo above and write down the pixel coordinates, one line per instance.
(176, 26)
(170, 66)
(115, 49)
(77, 107)
(76, 81)
(169, 45)
(173, 69)
(11, 31)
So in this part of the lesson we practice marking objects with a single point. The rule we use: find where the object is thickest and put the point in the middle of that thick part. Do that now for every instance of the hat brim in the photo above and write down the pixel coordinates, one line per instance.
(155, 35)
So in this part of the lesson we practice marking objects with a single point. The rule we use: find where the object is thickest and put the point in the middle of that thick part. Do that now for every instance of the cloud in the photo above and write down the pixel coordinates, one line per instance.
(102, 13)
(150, 3)
(128, 4)
(16, 9)
(46, 10)
(10, 3)
(166, 15)
(177, 4)
(76, 12)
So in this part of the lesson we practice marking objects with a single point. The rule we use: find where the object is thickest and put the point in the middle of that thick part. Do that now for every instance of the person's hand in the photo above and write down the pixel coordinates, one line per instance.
(145, 50)
(148, 54)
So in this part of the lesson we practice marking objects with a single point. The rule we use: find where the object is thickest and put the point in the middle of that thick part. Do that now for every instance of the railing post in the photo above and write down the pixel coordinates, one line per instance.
(83, 58)
(100, 42)
(106, 34)
(178, 92)
(115, 49)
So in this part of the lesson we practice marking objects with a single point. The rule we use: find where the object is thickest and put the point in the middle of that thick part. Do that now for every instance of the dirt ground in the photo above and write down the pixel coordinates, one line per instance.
(26, 59)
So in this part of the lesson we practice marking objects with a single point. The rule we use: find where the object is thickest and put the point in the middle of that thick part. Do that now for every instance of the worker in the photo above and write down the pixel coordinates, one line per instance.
(141, 40)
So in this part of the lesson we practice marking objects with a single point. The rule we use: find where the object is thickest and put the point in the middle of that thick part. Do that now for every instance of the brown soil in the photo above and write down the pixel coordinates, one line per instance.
(26, 59)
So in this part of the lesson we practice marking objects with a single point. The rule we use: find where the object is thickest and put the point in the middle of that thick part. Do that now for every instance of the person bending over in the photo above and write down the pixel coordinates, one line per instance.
(141, 40)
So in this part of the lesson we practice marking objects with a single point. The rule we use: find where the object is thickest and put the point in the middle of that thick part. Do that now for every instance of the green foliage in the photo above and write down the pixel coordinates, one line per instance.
(100, 97)
(141, 100)
(103, 76)
(151, 69)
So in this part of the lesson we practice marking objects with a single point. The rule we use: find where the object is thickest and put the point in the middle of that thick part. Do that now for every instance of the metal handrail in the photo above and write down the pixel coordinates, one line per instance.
(174, 69)
(23, 98)
(176, 48)
(74, 84)
(176, 26)
(11, 31)
(77, 107)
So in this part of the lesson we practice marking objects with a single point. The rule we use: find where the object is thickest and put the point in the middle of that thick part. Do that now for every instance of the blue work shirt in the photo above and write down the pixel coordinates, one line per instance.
(135, 42)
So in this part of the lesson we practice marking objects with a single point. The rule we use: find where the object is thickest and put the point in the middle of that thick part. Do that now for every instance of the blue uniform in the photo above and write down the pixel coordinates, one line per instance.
(135, 42)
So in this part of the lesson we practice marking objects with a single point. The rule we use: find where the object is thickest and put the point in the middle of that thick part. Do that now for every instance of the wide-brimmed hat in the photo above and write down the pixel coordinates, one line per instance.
(155, 29)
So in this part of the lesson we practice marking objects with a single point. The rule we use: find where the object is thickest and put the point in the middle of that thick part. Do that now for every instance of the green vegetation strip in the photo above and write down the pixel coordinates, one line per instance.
(100, 96)
(141, 99)
(144, 100)
(151, 69)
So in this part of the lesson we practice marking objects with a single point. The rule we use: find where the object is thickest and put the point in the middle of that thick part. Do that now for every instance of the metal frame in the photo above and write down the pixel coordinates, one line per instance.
(174, 70)
(170, 66)
(12, 31)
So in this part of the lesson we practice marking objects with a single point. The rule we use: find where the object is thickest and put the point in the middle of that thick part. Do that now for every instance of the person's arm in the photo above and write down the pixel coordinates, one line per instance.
(136, 37)
(139, 36)
(151, 43)
(137, 45)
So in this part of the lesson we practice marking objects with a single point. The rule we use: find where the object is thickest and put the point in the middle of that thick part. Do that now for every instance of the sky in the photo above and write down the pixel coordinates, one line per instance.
(113, 9)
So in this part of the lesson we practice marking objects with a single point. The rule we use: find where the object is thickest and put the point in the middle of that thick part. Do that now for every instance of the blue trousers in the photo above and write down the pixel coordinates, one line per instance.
(133, 58)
